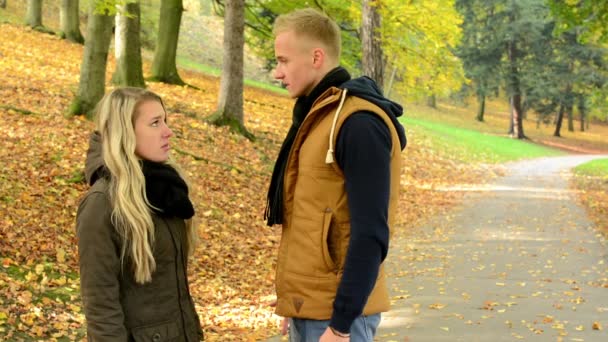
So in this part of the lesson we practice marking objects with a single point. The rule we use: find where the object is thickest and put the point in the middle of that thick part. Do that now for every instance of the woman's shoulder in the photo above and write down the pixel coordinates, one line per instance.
(96, 200)
(94, 215)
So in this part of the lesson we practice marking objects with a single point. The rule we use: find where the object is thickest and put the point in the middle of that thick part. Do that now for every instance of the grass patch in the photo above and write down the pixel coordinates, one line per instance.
(187, 63)
(476, 147)
(594, 168)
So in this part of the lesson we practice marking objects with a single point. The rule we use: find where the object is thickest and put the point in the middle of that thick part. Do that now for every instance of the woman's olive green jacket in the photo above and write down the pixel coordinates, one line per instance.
(116, 307)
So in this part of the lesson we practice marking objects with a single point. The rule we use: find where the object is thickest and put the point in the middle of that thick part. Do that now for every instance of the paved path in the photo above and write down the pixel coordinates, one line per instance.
(518, 260)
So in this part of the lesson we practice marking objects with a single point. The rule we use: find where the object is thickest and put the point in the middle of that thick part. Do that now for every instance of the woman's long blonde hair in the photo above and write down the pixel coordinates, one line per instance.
(131, 214)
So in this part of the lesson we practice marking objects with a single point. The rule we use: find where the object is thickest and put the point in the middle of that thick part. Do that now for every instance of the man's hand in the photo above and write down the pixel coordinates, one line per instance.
(284, 326)
(329, 336)
(284, 320)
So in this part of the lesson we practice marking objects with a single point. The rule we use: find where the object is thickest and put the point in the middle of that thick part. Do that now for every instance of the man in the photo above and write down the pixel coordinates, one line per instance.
(334, 187)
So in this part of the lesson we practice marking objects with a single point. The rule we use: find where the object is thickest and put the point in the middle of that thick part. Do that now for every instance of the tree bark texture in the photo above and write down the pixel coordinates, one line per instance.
(164, 67)
(69, 18)
(33, 17)
(230, 104)
(93, 68)
(128, 47)
(373, 59)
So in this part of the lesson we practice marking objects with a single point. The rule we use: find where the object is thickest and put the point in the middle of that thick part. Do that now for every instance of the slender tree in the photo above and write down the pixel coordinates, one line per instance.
(498, 46)
(559, 120)
(33, 16)
(582, 110)
(514, 86)
(373, 60)
(93, 68)
(230, 104)
(164, 67)
(69, 18)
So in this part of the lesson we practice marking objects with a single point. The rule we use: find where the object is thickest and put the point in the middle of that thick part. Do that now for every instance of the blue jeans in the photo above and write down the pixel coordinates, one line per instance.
(308, 330)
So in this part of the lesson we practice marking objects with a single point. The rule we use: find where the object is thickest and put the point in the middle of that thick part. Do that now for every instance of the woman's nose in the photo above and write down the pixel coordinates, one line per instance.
(168, 132)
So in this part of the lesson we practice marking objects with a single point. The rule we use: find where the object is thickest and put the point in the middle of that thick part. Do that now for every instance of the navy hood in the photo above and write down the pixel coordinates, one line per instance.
(366, 89)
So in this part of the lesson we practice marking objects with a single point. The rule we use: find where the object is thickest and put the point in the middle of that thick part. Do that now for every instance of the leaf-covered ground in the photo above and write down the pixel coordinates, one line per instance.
(592, 184)
(231, 272)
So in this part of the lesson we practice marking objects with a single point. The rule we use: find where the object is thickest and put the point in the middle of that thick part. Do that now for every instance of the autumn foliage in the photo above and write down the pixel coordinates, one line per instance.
(232, 270)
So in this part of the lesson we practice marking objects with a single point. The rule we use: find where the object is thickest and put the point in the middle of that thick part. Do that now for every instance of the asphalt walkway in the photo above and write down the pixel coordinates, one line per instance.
(518, 260)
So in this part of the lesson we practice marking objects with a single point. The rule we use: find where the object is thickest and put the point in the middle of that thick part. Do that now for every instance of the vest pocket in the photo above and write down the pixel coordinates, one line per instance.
(306, 248)
(327, 220)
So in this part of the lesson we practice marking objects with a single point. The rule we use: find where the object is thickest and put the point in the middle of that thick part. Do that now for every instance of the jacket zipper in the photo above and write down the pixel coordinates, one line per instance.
(179, 292)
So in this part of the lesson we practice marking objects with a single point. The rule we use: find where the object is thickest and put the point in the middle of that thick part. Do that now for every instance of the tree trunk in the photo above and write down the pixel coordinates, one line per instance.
(558, 124)
(94, 61)
(164, 67)
(128, 47)
(582, 109)
(373, 60)
(511, 126)
(391, 81)
(2, 3)
(517, 120)
(518, 127)
(230, 105)
(570, 118)
(69, 18)
(482, 107)
(431, 101)
(33, 17)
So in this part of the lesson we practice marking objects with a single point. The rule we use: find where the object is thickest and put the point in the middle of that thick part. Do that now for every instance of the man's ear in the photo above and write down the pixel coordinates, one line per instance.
(318, 57)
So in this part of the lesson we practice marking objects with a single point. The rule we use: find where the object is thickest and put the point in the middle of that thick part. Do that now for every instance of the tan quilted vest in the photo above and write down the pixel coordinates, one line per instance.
(316, 223)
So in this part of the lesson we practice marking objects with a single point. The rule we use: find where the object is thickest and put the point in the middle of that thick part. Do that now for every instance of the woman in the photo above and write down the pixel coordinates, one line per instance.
(134, 227)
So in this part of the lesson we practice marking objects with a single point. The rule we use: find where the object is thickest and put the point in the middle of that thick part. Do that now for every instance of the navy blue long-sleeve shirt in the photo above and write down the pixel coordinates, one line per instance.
(363, 152)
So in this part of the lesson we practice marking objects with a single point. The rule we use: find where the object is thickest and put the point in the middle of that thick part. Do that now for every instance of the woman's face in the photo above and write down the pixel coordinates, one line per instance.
(151, 132)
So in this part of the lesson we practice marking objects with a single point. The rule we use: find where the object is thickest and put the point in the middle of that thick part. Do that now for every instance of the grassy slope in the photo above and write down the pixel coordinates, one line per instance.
(473, 146)
(596, 168)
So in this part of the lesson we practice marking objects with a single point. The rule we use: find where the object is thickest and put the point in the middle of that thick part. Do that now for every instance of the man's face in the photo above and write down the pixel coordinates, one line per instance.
(295, 64)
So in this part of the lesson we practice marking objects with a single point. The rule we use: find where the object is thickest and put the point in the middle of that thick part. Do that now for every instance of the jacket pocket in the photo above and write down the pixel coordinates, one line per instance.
(159, 332)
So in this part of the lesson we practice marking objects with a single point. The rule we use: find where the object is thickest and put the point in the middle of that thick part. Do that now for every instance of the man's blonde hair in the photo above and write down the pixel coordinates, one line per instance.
(312, 24)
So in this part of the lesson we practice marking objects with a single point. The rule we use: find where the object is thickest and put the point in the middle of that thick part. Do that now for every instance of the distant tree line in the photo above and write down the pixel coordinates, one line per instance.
(520, 46)
(545, 56)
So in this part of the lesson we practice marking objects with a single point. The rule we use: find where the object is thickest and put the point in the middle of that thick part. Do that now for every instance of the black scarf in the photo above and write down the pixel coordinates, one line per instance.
(167, 191)
(274, 202)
